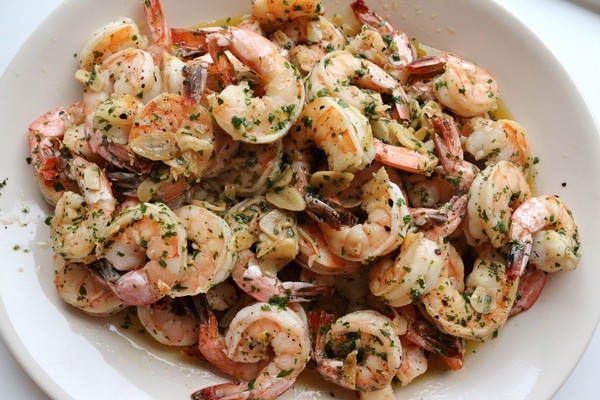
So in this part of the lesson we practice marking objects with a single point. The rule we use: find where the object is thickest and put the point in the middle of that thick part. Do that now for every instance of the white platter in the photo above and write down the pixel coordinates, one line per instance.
(72, 356)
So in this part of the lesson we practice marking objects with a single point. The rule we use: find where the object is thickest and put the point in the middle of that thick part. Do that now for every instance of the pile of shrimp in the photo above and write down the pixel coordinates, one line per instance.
(295, 192)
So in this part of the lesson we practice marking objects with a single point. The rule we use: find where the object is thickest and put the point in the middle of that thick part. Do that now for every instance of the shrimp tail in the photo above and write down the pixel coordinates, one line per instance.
(224, 391)
(518, 257)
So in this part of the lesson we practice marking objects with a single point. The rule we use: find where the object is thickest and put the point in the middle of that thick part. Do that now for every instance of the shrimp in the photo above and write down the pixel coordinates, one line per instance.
(79, 221)
(211, 255)
(405, 278)
(46, 135)
(337, 128)
(383, 231)
(178, 135)
(262, 331)
(531, 283)
(358, 82)
(252, 279)
(314, 254)
(112, 122)
(79, 287)
(544, 233)
(447, 142)
(483, 307)
(359, 351)
(316, 37)
(414, 362)
(113, 37)
(170, 321)
(463, 87)
(212, 345)
(247, 118)
(149, 242)
(495, 140)
(495, 193)
(272, 12)
(395, 48)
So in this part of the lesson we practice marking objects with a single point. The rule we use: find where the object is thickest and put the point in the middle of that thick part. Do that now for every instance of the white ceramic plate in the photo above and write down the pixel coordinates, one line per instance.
(72, 356)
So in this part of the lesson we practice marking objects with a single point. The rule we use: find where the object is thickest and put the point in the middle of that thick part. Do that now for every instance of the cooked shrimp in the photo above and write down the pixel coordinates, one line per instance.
(315, 38)
(403, 279)
(258, 332)
(414, 362)
(270, 12)
(178, 135)
(395, 49)
(247, 118)
(46, 135)
(212, 345)
(544, 233)
(531, 283)
(358, 82)
(80, 287)
(495, 140)
(495, 193)
(79, 220)
(337, 128)
(463, 87)
(262, 286)
(113, 37)
(211, 256)
(149, 242)
(483, 307)
(447, 142)
(359, 351)
(159, 30)
(316, 256)
(383, 231)
(169, 321)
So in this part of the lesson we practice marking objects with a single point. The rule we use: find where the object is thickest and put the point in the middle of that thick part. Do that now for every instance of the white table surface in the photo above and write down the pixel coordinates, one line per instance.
(571, 29)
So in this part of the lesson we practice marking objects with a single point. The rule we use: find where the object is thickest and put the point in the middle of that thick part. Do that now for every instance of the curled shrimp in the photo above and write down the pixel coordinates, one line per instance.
(405, 278)
(148, 242)
(383, 231)
(79, 286)
(46, 136)
(359, 351)
(543, 233)
(111, 38)
(495, 193)
(394, 50)
(178, 135)
(258, 332)
(79, 220)
(237, 111)
(483, 307)
(211, 256)
(495, 140)
(337, 128)
(463, 87)
(358, 82)
(170, 321)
